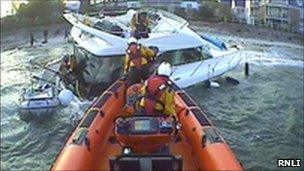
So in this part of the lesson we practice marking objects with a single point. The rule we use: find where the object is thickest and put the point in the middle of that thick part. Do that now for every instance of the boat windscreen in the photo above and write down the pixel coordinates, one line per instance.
(109, 27)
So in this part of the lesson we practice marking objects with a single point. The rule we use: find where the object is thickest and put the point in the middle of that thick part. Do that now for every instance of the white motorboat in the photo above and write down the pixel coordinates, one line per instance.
(99, 49)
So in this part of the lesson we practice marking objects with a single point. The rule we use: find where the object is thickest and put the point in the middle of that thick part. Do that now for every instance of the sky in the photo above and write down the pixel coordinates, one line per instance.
(6, 6)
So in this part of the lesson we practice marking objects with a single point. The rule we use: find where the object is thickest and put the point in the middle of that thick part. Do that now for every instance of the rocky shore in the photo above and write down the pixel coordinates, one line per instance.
(19, 38)
(11, 39)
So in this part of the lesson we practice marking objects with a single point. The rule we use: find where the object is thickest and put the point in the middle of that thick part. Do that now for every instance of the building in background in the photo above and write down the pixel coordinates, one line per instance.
(246, 11)
(239, 10)
(162, 3)
(190, 4)
(277, 14)
(296, 15)
(134, 4)
(256, 12)
(284, 14)
(73, 5)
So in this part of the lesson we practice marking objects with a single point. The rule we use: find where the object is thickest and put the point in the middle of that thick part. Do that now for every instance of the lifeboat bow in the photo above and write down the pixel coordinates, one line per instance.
(106, 139)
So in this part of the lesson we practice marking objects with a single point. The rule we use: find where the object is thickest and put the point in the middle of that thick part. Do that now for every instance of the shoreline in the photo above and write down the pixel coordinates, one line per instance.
(19, 38)
(248, 32)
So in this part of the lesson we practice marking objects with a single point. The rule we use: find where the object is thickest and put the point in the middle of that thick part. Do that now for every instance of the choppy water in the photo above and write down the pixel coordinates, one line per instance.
(261, 118)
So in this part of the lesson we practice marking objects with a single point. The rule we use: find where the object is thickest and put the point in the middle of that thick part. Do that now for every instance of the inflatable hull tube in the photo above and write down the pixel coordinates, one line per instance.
(86, 145)
(38, 108)
(91, 145)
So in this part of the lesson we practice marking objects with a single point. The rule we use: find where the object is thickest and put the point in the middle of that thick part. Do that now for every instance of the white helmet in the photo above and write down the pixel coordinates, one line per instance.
(164, 69)
(132, 40)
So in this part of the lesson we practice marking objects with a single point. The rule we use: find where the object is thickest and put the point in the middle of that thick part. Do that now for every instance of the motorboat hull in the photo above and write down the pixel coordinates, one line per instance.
(193, 73)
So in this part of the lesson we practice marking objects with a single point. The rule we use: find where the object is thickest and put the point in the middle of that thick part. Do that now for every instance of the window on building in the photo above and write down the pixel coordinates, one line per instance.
(300, 2)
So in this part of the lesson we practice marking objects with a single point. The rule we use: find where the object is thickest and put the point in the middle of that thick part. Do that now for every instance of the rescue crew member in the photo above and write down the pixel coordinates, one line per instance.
(158, 95)
(134, 93)
(136, 64)
(140, 25)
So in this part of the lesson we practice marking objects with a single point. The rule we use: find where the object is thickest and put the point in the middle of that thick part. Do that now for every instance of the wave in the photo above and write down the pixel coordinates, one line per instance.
(257, 58)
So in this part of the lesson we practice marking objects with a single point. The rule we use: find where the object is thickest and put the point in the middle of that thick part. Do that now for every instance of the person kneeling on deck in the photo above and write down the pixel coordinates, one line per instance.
(158, 95)
(136, 64)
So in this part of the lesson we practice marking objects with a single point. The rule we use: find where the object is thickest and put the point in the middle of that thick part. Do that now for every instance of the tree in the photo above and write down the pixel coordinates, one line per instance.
(40, 9)
(206, 12)
(224, 12)
(215, 10)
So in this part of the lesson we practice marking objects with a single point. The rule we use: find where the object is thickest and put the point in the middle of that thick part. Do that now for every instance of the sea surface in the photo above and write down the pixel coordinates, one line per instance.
(261, 118)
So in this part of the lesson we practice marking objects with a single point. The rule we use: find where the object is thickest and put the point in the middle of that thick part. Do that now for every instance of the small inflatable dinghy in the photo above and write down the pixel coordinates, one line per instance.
(107, 139)
(44, 95)
(43, 101)
(40, 100)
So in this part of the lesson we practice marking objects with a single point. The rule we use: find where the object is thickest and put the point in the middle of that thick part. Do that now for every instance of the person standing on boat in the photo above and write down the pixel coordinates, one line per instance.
(140, 25)
(158, 95)
(137, 62)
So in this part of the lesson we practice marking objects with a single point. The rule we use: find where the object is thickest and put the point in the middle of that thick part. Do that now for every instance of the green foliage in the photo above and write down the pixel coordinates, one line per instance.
(180, 12)
(34, 9)
(40, 9)
(214, 4)
(212, 10)
(35, 13)
(224, 13)
(206, 12)
(8, 21)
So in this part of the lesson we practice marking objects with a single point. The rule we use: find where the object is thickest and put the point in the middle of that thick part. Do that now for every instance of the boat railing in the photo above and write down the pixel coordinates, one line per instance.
(194, 71)
(169, 15)
(221, 57)
(165, 16)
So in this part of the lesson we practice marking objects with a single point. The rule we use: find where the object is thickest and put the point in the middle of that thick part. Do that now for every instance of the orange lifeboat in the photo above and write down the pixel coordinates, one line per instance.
(105, 139)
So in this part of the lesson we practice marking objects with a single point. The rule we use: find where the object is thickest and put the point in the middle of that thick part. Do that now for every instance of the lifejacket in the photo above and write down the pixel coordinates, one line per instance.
(87, 22)
(135, 56)
(155, 87)
(134, 93)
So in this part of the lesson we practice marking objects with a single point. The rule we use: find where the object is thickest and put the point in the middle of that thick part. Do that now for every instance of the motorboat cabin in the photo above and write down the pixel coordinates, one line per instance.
(100, 53)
